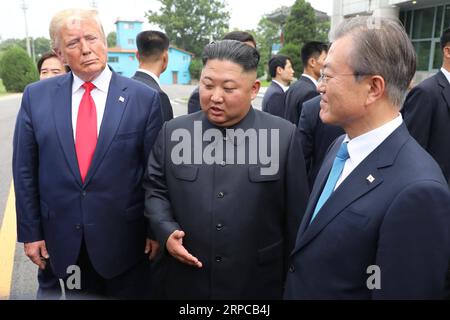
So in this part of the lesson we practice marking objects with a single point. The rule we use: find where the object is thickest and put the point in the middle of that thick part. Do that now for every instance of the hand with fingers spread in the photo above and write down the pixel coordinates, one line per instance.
(37, 252)
(175, 247)
(151, 248)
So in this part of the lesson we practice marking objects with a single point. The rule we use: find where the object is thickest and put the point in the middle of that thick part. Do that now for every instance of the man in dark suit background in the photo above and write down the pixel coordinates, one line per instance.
(316, 137)
(282, 73)
(153, 57)
(427, 111)
(313, 55)
(227, 224)
(377, 225)
(81, 144)
(242, 36)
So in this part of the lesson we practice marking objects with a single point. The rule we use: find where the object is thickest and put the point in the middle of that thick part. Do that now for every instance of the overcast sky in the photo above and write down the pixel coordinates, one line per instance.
(245, 14)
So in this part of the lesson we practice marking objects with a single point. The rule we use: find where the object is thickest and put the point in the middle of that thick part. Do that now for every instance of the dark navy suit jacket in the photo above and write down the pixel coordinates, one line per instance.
(107, 210)
(427, 115)
(302, 90)
(392, 211)
(166, 106)
(273, 101)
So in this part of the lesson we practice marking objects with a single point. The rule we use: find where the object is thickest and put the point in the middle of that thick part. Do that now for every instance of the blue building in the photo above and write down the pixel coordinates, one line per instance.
(122, 58)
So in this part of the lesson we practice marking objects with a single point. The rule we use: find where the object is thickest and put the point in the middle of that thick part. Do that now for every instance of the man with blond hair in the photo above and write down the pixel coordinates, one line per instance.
(80, 147)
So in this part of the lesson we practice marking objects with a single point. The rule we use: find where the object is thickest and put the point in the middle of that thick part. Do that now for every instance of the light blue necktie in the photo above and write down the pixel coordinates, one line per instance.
(335, 173)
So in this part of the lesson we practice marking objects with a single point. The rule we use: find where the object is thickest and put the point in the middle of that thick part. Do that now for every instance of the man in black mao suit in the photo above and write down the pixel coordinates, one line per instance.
(313, 55)
(153, 56)
(427, 111)
(316, 137)
(226, 214)
(282, 73)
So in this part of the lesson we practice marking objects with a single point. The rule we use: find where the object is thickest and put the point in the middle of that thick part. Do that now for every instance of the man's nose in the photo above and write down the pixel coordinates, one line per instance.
(85, 49)
(217, 95)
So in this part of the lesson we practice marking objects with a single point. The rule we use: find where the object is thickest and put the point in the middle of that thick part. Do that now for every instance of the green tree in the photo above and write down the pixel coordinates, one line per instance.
(111, 39)
(41, 46)
(293, 51)
(267, 33)
(301, 24)
(322, 31)
(190, 24)
(17, 69)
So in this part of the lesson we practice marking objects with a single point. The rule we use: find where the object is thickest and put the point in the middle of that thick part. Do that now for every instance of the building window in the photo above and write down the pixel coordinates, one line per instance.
(128, 26)
(131, 41)
(425, 26)
(113, 59)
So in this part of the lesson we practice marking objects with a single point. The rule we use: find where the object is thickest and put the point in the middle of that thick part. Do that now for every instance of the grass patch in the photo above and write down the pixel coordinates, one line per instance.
(265, 83)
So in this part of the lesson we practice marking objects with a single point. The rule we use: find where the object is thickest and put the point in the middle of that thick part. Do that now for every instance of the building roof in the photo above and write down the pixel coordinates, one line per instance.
(187, 52)
(119, 19)
(120, 50)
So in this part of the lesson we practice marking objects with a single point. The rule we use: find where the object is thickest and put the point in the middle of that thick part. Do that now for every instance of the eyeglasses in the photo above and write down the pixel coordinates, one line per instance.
(324, 78)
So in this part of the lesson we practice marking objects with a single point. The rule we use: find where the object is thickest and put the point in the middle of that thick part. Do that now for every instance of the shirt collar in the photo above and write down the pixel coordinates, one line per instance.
(360, 147)
(281, 85)
(151, 74)
(311, 78)
(101, 82)
(446, 74)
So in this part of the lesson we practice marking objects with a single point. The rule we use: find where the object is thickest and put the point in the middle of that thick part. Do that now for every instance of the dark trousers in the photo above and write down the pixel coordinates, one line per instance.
(49, 286)
(132, 284)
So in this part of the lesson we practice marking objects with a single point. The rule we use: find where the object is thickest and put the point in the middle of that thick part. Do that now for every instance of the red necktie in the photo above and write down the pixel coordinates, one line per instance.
(86, 134)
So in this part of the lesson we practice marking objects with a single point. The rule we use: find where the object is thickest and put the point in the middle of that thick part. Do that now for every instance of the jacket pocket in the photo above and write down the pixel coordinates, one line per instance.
(355, 219)
(126, 136)
(271, 252)
(254, 175)
(185, 172)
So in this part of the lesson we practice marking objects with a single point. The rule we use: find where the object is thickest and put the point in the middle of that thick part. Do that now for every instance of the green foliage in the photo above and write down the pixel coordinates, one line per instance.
(267, 33)
(322, 31)
(301, 24)
(293, 51)
(41, 45)
(190, 24)
(111, 39)
(2, 87)
(17, 69)
(195, 68)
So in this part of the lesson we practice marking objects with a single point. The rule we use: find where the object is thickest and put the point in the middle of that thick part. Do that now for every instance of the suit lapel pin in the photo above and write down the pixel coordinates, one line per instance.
(370, 178)
(121, 99)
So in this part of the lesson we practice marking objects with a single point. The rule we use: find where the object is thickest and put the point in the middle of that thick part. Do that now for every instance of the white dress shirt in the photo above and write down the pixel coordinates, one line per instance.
(99, 94)
(446, 74)
(311, 78)
(151, 74)
(360, 147)
(285, 88)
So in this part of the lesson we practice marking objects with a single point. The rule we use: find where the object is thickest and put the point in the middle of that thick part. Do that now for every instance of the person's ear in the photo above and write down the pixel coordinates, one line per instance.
(255, 88)
(137, 56)
(447, 52)
(377, 88)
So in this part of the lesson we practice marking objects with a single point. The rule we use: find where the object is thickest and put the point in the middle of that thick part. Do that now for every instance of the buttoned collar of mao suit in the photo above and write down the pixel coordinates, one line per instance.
(151, 74)
(246, 123)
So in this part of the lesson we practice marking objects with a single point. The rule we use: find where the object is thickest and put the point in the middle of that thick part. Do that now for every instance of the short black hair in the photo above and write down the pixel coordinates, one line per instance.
(151, 43)
(312, 49)
(241, 36)
(445, 38)
(46, 56)
(232, 50)
(277, 61)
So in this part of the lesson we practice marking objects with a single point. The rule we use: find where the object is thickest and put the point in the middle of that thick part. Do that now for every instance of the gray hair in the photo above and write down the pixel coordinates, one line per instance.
(381, 47)
(69, 18)
(235, 51)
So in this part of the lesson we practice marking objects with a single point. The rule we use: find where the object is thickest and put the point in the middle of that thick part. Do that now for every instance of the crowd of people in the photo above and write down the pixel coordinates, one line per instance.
(339, 175)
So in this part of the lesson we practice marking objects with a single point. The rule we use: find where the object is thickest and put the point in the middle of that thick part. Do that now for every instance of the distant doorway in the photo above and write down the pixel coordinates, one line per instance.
(174, 77)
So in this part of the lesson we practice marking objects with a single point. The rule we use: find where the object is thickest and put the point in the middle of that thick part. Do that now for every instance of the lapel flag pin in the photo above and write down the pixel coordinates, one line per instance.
(370, 178)
(121, 99)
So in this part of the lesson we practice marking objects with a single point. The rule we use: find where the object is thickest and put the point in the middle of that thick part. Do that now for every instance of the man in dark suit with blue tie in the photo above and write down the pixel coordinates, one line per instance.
(377, 224)
(282, 73)
(313, 55)
(80, 148)
(427, 111)
(153, 56)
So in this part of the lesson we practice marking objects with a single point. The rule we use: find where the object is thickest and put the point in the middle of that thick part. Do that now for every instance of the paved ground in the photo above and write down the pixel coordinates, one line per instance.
(17, 273)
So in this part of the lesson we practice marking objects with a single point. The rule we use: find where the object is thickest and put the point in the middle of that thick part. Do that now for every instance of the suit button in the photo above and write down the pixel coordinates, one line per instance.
(220, 195)
(219, 227)
(218, 258)
(291, 268)
(84, 193)
(78, 226)
(223, 163)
